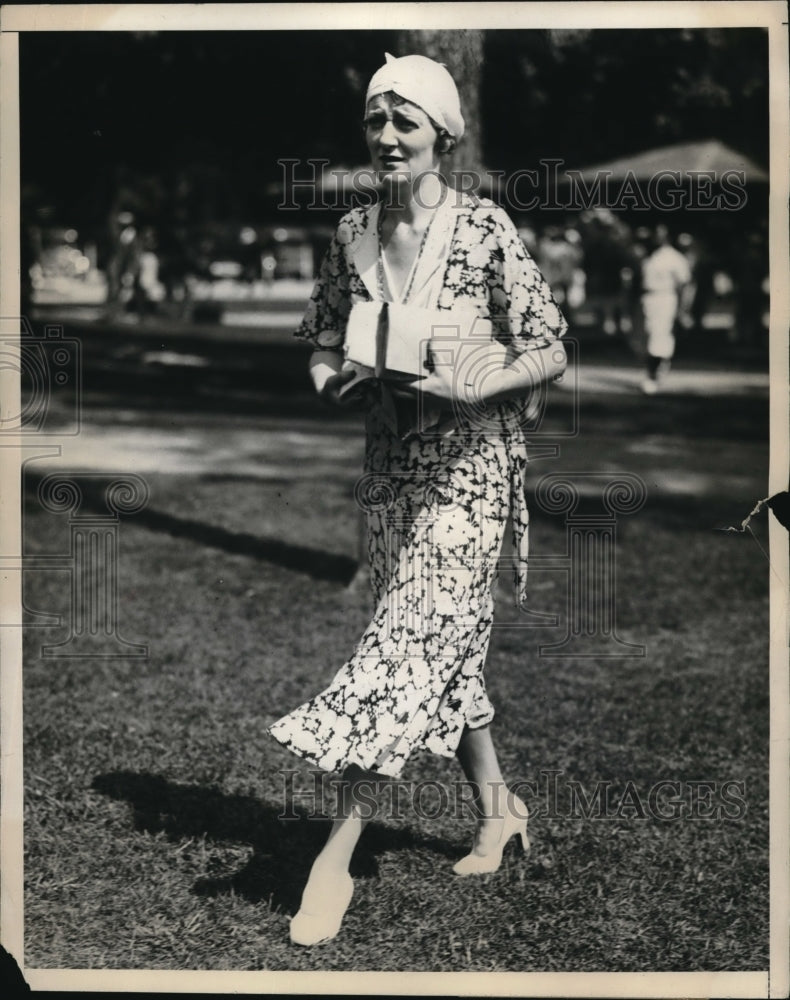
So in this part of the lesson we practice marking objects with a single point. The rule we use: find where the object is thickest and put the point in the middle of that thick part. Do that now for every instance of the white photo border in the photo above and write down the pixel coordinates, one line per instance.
(771, 14)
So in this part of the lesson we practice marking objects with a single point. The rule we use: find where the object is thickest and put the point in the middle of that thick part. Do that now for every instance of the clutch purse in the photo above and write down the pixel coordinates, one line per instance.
(396, 342)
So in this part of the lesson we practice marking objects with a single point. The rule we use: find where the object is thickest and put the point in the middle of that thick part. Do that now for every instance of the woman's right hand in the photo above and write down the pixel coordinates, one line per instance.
(356, 399)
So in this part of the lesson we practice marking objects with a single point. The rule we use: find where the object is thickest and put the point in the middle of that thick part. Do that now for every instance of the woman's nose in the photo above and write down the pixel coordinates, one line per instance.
(389, 136)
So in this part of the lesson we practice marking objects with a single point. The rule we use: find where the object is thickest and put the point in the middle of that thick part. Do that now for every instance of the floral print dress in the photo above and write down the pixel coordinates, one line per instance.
(437, 502)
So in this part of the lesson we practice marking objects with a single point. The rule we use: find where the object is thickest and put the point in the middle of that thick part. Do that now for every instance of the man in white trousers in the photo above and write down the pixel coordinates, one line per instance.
(666, 278)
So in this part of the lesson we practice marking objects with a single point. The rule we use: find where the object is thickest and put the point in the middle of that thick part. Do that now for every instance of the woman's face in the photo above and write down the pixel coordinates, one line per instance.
(401, 139)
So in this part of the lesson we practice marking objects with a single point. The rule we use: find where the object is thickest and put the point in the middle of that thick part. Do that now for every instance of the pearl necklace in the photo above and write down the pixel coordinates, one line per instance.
(380, 259)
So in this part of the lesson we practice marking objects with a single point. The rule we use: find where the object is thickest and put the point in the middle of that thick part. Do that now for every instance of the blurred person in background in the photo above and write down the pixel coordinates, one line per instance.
(176, 269)
(120, 248)
(147, 289)
(250, 255)
(559, 258)
(415, 682)
(751, 291)
(529, 238)
(700, 289)
(576, 292)
(606, 242)
(268, 270)
(631, 273)
(666, 282)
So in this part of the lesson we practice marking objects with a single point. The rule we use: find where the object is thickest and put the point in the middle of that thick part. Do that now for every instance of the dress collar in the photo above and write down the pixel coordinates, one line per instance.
(366, 249)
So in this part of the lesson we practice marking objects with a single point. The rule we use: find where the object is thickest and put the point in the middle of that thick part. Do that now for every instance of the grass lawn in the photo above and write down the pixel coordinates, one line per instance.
(153, 797)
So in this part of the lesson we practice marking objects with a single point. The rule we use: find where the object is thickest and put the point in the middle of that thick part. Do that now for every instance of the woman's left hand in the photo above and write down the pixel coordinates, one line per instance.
(438, 386)
(471, 383)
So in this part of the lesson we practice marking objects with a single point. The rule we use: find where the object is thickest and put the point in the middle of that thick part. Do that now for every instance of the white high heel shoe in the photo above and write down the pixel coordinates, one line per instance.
(324, 903)
(513, 822)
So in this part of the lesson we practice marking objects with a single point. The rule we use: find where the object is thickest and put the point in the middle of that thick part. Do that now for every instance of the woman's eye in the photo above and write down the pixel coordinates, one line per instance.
(377, 123)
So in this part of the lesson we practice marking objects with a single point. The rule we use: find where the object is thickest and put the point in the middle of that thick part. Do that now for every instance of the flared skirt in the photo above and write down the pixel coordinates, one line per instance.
(436, 509)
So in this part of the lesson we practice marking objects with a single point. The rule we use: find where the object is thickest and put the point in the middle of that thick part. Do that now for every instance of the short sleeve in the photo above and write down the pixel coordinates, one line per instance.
(324, 322)
(521, 293)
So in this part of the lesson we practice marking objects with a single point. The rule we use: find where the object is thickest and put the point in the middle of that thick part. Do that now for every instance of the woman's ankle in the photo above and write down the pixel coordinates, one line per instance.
(493, 800)
(326, 867)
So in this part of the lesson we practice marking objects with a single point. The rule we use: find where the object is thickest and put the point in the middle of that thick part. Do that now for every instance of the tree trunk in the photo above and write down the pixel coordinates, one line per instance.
(462, 54)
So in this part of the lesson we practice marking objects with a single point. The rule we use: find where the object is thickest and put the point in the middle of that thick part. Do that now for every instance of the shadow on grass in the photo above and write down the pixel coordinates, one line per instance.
(316, 563)
(283, 848)
(688, 416)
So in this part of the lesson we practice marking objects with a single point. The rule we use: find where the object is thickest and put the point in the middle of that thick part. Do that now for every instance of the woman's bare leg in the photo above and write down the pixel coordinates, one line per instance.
(353, 812)
(477, 756)
(330, 888)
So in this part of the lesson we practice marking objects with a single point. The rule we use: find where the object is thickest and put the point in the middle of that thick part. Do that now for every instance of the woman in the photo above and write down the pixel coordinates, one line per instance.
(444, 467)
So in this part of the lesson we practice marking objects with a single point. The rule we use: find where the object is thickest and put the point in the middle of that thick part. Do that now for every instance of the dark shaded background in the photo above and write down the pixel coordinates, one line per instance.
(173, 141)
(197, 120)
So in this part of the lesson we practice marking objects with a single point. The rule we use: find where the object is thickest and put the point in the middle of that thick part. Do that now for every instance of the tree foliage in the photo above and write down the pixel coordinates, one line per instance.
(462, 54)
(593, 95)
(191, 125)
